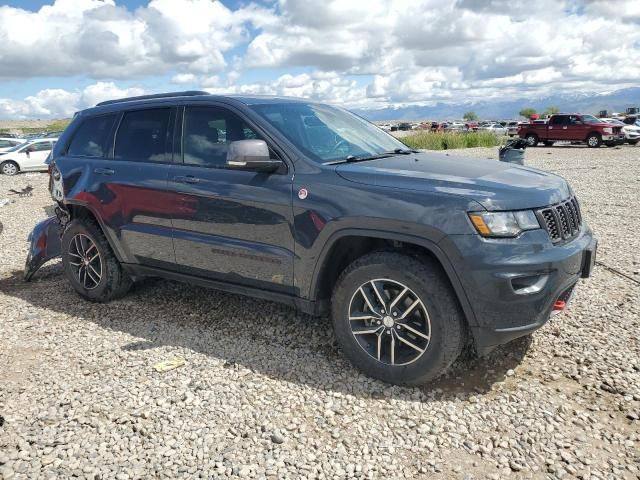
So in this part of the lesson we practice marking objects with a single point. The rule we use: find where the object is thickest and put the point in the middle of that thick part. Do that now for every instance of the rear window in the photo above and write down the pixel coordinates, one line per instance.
(92, 137)
(142, 136)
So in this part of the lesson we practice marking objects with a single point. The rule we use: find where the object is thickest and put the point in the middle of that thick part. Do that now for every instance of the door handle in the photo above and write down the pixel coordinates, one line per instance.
(186, 179)
(104, 171)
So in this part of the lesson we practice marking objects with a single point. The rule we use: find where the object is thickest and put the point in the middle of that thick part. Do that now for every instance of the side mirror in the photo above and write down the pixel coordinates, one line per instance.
(252, 155)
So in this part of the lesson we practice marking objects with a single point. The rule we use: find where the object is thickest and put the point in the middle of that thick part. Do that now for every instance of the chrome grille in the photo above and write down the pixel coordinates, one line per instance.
(562, 221)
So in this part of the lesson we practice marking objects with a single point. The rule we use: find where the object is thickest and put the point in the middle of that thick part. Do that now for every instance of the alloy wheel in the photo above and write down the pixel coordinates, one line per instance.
(85, 260)
(389, 322)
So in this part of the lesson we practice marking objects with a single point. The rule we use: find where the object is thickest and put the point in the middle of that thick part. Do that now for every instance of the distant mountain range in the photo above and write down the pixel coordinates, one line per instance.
(616, 101)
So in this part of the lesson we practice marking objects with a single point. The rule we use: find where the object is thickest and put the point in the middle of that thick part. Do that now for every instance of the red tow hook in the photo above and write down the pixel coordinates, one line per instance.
(559, 305)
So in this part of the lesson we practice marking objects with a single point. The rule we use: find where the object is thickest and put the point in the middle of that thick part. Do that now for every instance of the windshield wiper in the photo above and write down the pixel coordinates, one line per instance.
(400, 151)
(353, 158)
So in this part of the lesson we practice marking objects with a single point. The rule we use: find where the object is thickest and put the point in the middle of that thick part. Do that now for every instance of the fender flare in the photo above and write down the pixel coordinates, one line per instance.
(113, 243)
(591, 132)
(430, 245)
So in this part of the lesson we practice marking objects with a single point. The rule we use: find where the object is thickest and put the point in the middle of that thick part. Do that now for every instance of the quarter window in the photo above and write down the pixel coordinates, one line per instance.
(142, 136)
(207, 134)
(92, 137)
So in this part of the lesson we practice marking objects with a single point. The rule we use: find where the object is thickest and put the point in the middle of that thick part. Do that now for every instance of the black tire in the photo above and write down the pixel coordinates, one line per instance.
(548, 144)
(113, 280)
(633, 142)
(428, 283)
(594, 140)
(9, 167)
(532, 139)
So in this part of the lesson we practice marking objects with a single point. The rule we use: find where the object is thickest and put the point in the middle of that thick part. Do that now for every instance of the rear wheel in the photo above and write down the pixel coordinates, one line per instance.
(594, 140)
(9, 167)
(90, 265)
(532, 139)
(396, 318)
(633, 142)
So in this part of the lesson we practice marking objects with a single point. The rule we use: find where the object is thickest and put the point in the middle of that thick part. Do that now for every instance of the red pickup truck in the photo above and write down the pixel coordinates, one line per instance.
(572, 127)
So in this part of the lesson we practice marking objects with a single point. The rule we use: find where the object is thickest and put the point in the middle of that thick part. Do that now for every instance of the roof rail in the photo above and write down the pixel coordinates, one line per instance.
(188, 93)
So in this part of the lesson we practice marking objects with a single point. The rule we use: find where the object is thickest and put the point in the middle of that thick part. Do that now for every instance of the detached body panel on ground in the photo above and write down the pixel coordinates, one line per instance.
(308, 205)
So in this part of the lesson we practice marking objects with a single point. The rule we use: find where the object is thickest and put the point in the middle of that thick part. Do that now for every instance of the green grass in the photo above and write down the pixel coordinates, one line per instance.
(450, 140)
(54, 126)
(58, 125)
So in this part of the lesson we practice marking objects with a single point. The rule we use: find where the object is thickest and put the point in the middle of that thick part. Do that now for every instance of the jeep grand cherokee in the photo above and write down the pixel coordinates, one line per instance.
(414, 255)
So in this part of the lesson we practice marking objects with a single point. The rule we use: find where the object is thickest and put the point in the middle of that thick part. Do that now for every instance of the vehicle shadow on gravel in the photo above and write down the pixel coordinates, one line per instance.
(265, 337)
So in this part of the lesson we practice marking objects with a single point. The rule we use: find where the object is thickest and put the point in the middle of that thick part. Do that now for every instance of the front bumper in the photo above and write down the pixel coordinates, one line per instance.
(44, 244)
(513, 284)
(615, 139)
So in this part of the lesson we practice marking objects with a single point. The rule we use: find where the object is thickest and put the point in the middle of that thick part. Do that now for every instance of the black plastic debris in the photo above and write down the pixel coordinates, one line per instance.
(513, 151)
(25, 192)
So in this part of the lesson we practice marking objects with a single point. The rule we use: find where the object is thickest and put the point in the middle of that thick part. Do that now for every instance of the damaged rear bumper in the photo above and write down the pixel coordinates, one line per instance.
(44, 245)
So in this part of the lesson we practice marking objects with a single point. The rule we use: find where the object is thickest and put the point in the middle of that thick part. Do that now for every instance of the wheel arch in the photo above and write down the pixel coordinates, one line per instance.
(78, 210)
(11, 160)
(592, 132)
(345, 246)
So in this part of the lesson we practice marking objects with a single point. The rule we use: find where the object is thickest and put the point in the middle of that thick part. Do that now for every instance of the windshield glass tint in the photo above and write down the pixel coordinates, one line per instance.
(17, 147)
(327, 133)
(590, 119)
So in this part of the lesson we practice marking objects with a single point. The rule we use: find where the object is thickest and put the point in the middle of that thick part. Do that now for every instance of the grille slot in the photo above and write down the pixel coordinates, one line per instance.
(562, 221)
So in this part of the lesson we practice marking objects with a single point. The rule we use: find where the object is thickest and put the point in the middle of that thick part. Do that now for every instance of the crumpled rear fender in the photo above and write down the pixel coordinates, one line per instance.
(44, 245)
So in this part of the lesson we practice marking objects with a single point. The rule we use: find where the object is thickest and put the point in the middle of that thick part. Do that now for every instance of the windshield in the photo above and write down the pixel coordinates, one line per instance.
(17, 147)
(327, 133)
(590, 119)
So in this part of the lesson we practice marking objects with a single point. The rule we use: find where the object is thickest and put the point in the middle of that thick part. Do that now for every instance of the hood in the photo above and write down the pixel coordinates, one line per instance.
(495, 185)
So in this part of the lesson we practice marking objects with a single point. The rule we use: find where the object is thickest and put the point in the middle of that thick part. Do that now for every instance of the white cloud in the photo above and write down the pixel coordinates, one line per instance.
(183, 78)
(60, 103)
(422, 51)
(100, 39)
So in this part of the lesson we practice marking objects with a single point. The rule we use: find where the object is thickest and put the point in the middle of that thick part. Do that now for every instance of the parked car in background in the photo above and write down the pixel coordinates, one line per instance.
(415, 255)
(26, 157)
(494, 128)
(51, 135)
(10, 135)
(572, 127)
(7, 143)
(512, 128)
(631, 132)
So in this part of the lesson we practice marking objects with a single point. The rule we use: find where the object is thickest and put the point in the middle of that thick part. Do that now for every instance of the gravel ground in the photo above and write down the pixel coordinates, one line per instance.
(264, 391)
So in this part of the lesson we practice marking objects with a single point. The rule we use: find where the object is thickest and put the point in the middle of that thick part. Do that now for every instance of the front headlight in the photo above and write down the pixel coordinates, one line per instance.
(607, 130)
(504, 224)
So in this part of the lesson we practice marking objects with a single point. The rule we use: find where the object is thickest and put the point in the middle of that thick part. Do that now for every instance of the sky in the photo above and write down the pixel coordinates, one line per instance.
(61, 56)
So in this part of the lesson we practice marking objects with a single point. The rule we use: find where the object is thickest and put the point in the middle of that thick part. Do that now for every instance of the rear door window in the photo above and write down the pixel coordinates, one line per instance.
(143, 136)
(91, 139)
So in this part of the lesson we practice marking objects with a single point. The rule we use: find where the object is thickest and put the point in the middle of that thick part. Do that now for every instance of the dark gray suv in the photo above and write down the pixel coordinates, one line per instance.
(415, 255)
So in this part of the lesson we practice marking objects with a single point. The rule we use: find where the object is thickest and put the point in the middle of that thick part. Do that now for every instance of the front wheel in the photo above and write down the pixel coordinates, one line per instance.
(89, 263)
(532, 140)
(548, 144)
(396, 318)
(9, 168)
(594, 140)
(633, 142)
